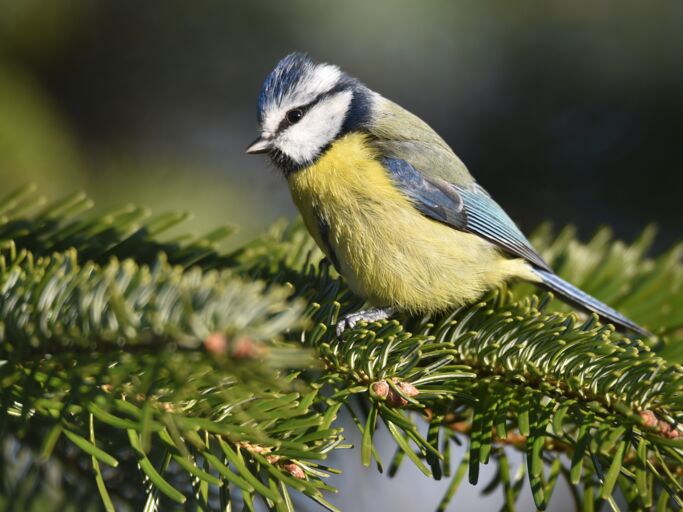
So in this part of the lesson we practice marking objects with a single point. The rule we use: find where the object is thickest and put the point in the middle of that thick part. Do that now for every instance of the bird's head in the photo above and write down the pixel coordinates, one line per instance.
(303, 107)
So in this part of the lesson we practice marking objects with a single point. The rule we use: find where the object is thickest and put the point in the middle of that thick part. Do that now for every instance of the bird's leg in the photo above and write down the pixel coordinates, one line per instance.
(366, 315)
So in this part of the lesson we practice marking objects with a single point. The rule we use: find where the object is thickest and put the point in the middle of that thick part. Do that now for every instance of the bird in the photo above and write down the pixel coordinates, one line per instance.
(389, 203)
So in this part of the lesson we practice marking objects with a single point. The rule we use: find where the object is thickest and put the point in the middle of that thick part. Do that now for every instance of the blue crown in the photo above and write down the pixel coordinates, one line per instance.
(282, 80)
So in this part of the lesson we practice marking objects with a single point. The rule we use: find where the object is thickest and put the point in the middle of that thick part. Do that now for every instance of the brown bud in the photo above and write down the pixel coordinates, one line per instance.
(672, 434)
(407, 389)
(395, 399)
(107, 388)
(380, 388)
(515, 439)
(649, 419)
(665, 428)
(216, 343)
(253, 448)
(167, 406)
(464, 427)
(668, 430)
(294, 470)
(383, 390)
(273, 459)
(246, 348)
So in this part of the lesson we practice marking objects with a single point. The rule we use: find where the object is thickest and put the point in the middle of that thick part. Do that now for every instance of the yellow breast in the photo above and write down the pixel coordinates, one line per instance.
(388, 252)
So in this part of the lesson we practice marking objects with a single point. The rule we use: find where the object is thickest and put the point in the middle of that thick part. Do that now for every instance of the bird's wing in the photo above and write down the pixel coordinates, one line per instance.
(465, 207)
(427, 171)
(397, 133)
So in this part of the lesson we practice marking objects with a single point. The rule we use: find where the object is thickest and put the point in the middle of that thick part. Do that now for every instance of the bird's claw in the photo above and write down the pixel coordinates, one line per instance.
(367, 315)
(344, 324)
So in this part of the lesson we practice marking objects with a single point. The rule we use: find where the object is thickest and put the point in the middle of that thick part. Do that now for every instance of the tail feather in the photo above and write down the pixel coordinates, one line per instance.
(572, 294)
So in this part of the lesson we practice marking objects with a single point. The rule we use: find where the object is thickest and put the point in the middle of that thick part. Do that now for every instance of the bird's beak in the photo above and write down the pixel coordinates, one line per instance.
(260, 145)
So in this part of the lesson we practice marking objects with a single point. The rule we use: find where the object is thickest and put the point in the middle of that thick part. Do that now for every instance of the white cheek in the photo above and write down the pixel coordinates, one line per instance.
(303, 141)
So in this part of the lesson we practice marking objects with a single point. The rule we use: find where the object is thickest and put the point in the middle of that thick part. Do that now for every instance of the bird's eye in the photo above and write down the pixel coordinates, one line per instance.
(294, 115)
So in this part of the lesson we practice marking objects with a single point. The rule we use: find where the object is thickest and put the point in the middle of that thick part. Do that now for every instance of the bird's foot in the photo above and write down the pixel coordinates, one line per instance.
(367, 315)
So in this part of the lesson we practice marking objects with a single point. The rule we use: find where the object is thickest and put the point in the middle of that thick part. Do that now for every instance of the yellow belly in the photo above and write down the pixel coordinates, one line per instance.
(388, 252)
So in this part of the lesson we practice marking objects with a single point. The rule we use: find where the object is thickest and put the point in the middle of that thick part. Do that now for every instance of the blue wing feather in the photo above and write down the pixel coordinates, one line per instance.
(468, 208)
(575, 296)
(433, 201)
(486, 218)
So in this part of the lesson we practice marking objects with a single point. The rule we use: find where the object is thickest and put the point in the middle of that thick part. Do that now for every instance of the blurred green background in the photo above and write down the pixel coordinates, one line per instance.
(567, 111)
(564, 111)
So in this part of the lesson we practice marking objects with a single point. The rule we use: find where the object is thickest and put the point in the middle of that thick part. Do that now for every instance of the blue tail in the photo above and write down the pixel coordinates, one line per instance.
(573, 295)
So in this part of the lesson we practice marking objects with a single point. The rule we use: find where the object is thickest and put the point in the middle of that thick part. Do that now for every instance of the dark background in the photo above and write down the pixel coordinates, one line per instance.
(565, 111)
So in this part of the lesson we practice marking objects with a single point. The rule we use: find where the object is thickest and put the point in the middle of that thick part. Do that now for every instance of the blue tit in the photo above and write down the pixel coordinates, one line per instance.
(388, 201)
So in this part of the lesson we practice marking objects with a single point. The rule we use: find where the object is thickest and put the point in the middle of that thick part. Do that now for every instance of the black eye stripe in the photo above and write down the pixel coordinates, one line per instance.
(285, 123)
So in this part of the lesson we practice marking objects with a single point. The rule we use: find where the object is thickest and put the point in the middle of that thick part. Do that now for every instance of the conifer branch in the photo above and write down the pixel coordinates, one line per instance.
(217, 378)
